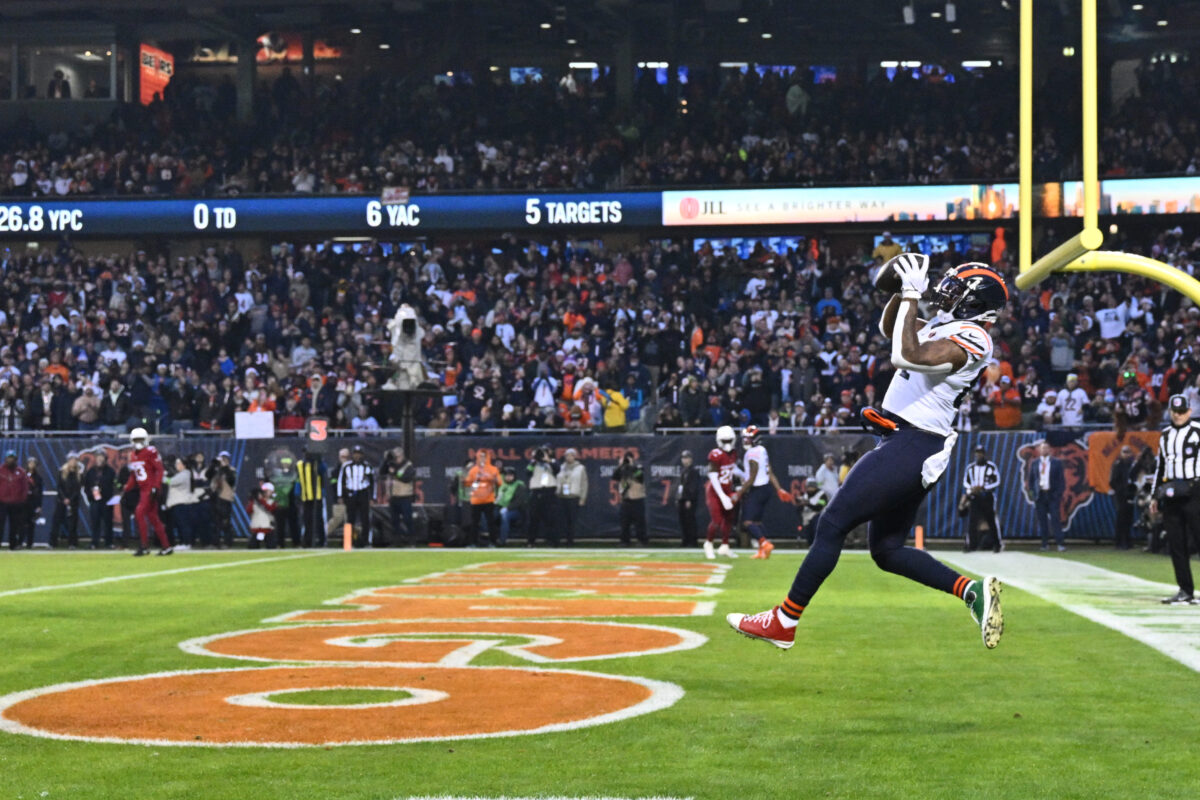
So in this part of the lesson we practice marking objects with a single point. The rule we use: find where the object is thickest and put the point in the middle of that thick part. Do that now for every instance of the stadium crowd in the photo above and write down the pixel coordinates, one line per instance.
(717, 128)
(566, 336)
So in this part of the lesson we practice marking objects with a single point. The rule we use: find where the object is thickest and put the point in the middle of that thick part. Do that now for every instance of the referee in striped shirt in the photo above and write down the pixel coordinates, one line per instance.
(1176, 493)
(980, 485)
(355, 485)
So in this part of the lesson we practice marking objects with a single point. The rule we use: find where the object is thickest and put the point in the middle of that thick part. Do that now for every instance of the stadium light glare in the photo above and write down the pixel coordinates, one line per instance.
(1162, 23)
(956, 30)
(743, 20)
(1068, 51)
(545, 26)
(572, 41)
(1137, 6)
(733, 64)
(935, 14)
(976, 64)
(583, 65)
(889, 64)
(910, 64)
(384, 46)
(356, 31)
(766, 35)
(493, 68)
(1112, 229)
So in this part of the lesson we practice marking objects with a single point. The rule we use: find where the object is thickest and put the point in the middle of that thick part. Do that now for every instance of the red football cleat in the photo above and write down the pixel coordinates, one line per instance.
(764, 625)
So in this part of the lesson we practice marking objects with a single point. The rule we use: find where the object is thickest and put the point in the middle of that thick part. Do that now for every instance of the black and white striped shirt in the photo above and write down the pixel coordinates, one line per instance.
(354, 477)
(985, 476)
(1179, 453)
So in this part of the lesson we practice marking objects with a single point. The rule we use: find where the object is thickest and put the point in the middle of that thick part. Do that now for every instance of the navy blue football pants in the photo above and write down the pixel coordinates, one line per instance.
(884, 489)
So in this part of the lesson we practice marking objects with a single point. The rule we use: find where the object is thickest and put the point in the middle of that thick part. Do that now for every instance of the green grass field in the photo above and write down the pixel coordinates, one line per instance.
(887, 694)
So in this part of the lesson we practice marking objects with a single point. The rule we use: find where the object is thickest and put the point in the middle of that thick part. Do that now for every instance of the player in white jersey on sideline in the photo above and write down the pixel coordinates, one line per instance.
(938, 362)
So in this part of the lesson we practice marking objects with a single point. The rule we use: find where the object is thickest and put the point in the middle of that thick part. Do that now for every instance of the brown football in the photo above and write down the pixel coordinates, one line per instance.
(885, 278)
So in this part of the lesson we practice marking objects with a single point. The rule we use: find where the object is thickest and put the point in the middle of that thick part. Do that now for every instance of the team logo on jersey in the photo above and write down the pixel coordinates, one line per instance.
(1078, 493)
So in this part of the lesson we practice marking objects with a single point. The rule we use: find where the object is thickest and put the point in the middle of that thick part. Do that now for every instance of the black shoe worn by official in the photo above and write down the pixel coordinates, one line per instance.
(166, 551)
(1180, 598)
(141, 551)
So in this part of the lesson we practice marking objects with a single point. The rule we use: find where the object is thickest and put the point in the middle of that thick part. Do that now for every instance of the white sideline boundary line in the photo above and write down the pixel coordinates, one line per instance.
(180, 570)
(541, 797)
(1124, 603)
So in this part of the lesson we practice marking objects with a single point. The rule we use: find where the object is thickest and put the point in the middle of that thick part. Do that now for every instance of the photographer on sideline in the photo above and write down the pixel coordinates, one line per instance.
(691, 488)
(401, 477)
(98, 484)
(512, 497)
(572, 490)
(631, 480)
(543, 489)
(222, 480)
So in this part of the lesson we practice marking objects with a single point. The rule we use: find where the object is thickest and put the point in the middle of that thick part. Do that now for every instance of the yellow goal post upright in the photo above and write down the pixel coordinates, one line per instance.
(1080, 253)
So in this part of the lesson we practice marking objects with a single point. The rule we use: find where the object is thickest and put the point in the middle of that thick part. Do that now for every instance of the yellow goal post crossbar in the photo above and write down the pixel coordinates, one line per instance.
(1080, 253)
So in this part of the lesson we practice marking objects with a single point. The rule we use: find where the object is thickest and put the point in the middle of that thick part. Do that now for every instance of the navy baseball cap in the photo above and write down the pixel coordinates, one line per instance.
(1179, 403)
(10, 454)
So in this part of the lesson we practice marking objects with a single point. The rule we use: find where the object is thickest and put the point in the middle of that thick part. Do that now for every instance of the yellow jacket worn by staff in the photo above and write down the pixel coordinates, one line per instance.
(615, 404)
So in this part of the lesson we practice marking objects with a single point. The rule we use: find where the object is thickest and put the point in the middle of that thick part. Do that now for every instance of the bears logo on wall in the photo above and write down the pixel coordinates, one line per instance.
(1077, 493)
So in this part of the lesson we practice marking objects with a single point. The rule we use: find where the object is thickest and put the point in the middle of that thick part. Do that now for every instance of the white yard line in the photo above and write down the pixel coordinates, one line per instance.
(117, 578)
(1125, 603)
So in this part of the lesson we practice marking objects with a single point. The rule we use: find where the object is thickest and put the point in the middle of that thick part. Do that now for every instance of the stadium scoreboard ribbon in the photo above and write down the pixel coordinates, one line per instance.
(359, 215)
(384, 217)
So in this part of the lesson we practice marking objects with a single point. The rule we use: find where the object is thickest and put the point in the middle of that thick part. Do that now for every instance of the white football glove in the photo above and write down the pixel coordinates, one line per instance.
(913, 271)
(727, 503)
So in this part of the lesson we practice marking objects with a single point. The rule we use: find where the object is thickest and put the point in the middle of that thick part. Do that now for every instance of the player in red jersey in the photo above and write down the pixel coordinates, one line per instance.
(719, 493)
(146, 473)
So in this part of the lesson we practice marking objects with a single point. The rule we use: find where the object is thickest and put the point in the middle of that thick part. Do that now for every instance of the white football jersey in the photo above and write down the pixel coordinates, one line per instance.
(1071, 404)
(757, 454)
(928, 401)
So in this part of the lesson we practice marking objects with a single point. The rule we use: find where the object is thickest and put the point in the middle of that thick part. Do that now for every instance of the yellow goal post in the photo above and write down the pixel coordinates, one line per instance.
(1081, 253)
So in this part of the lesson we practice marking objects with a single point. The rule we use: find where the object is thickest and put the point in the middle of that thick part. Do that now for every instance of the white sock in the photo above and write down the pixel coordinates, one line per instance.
(785, 620)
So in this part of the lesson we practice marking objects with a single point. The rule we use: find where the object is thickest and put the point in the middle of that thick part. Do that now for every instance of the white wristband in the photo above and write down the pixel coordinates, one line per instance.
(910, 294)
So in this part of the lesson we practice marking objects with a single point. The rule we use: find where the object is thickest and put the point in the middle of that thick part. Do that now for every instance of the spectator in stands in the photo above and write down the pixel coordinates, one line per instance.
(1072, 402)
(59, 87)
(1005, 401)
(886, 250)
